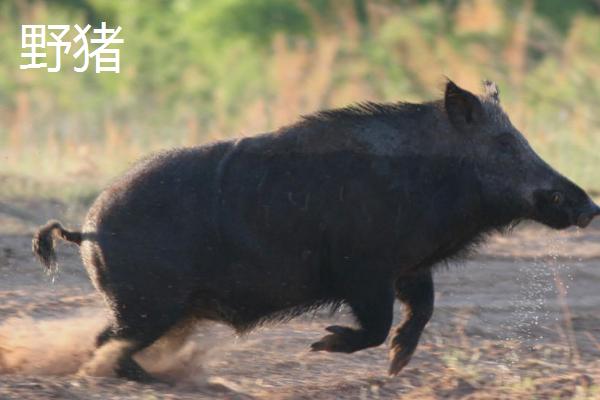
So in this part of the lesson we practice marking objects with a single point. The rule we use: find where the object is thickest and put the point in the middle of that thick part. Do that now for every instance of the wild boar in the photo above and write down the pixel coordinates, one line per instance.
(354, 205)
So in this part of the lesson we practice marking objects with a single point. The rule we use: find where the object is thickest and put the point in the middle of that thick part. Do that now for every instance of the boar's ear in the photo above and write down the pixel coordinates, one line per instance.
(463, 107)
(491, 90)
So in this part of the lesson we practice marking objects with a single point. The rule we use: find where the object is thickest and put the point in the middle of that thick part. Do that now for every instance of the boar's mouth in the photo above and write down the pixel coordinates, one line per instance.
(584, 219)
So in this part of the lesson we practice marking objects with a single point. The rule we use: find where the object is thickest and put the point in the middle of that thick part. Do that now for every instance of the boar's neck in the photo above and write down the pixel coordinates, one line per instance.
(382, 179)
(441, 211)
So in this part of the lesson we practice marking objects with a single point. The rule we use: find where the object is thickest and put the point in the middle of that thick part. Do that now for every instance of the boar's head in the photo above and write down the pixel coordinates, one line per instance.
(515, 182)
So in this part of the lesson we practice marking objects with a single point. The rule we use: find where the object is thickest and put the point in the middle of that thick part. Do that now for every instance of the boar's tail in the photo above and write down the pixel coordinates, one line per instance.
(43, 242)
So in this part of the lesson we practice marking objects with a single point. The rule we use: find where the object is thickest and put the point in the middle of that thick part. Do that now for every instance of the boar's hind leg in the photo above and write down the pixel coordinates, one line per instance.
(416, 294)
(104, 336)
(140, 336)
(136, 328)
(372, 305)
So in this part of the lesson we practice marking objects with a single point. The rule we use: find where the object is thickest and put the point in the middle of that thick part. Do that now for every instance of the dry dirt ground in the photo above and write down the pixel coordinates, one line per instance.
(518, 320)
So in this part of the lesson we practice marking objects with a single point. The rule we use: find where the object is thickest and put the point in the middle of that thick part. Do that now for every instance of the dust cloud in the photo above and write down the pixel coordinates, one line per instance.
(66, 346)
(53, 346)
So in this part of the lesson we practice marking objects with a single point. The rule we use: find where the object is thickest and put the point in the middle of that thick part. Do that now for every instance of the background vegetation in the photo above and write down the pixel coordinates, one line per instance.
(194, 71)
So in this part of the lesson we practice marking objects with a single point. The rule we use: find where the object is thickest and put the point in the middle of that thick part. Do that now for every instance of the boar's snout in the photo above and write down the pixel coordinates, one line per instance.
(586, 216)
(566, 205)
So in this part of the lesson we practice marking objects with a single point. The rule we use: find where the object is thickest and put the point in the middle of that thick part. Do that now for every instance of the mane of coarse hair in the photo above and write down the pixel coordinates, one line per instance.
(367, 109)
(330, 306)
(471, 247)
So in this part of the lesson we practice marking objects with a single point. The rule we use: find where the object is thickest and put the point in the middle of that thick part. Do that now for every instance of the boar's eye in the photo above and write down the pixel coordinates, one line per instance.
(557, 198)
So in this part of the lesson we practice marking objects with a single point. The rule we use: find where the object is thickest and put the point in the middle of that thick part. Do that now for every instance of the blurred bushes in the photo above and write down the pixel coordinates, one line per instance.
(193, 71)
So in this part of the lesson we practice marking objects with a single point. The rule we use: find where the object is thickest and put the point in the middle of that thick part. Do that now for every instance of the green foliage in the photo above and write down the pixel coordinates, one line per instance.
(561, 12)
(194, 70)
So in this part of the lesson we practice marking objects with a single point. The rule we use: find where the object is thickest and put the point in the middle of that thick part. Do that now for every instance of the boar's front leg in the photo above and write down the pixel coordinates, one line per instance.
(372, 304)
(416, 294)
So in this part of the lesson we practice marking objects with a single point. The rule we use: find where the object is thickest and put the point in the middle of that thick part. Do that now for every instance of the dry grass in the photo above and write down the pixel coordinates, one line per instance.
(337, 68)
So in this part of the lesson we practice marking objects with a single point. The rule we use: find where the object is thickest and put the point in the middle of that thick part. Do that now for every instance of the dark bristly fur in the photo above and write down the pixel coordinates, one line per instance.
(366, 109)
(355, 206)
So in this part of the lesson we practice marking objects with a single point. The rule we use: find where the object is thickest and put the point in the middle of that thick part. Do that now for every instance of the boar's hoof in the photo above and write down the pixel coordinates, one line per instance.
(129, 369)
(342, 340)
(400, 356)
